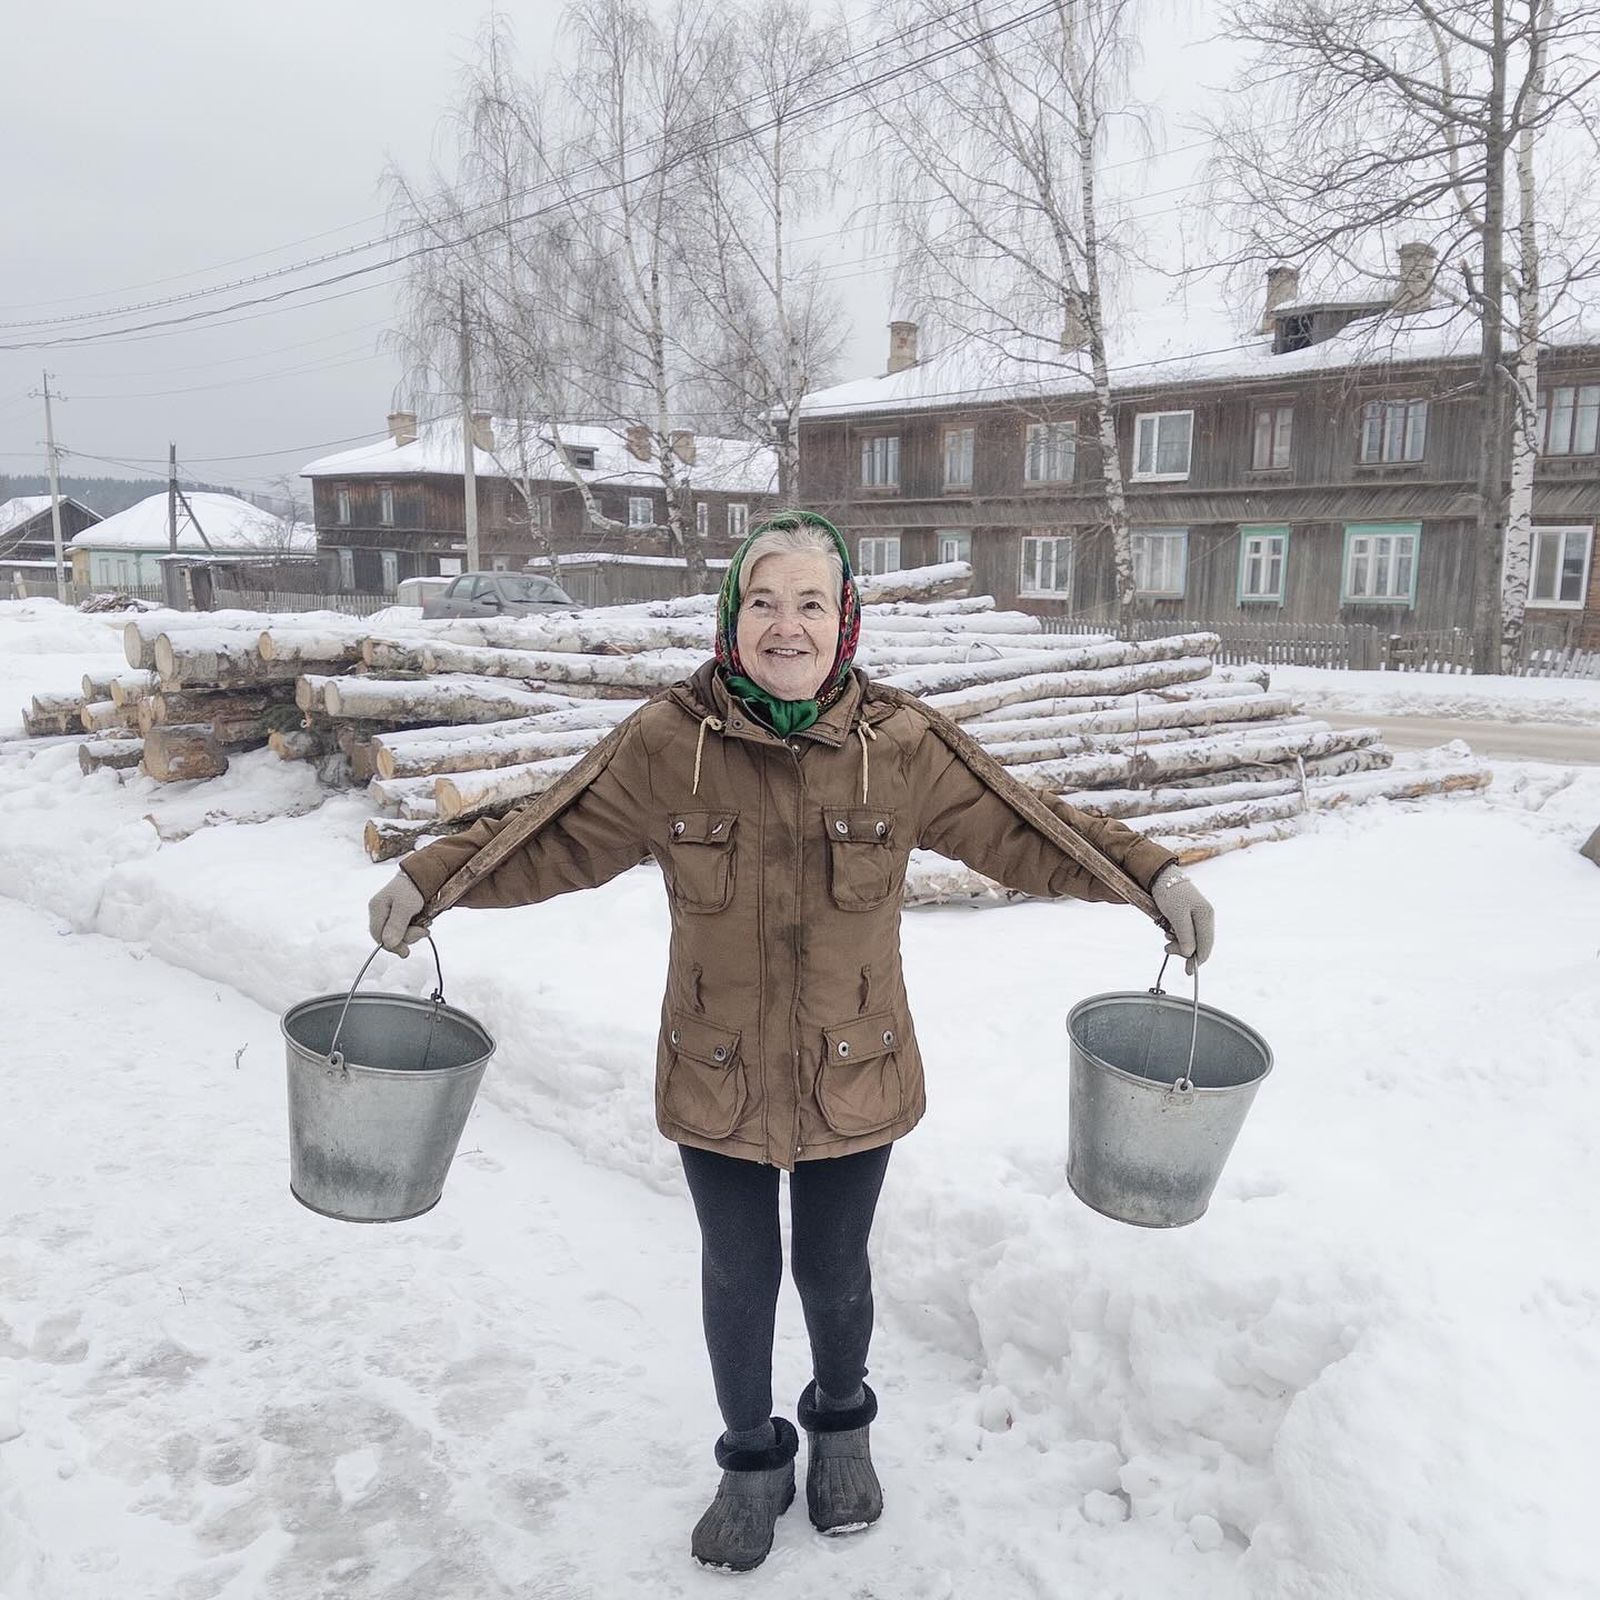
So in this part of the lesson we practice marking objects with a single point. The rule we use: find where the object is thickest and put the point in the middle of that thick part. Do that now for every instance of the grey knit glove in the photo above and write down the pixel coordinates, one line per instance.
(1189, 914)
(392, 915)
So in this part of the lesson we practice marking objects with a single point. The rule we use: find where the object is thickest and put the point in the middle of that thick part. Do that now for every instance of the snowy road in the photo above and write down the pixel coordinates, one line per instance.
(1503, 741)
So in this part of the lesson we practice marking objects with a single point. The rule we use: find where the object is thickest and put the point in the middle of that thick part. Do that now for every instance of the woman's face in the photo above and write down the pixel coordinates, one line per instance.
(788, 630)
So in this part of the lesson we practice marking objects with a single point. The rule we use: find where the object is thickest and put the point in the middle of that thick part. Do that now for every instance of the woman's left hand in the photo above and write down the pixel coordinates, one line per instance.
(1188, 913)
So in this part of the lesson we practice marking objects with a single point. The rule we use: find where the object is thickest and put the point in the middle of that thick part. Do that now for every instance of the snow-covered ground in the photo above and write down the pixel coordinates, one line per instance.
(1442, 694)
(1367, 1373)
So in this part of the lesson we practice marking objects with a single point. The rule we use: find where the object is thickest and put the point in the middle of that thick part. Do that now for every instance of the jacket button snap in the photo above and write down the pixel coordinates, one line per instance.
(720, 1053)
(676, 1036)
(888, 1035)
(844, 1047)
(678, 827)
(882, 829)
(841, 827)
(737, 723)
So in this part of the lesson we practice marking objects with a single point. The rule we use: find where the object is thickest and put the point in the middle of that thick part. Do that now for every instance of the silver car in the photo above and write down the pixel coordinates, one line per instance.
(495, 594)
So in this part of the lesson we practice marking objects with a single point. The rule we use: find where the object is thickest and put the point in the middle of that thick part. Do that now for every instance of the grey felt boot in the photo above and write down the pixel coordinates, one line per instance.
(757, 1488)
(842, 1490)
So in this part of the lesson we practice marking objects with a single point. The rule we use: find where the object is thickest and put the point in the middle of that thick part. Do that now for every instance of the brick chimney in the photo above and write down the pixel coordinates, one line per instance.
(403, 427)
(639, 441)
(902, 346)
(483, 431)
(1283, 289)
(1075, 324)
(683, 446)
(1419, 265)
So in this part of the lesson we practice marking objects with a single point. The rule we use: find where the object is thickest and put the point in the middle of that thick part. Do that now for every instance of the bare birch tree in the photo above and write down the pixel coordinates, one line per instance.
(992, 179)
(1365, 121)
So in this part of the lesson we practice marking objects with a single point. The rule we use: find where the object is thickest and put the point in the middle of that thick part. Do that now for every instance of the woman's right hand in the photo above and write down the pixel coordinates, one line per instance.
(392, 914)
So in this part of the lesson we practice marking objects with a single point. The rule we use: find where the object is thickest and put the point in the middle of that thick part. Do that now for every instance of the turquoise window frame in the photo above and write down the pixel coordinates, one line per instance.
(1263, 530)
(1363, 530)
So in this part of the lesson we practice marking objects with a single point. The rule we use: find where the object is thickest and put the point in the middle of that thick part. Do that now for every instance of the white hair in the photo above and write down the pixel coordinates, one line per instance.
(799, 538)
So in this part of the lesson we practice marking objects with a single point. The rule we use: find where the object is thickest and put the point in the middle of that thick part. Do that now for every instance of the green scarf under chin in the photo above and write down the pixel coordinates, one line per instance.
(782, 716)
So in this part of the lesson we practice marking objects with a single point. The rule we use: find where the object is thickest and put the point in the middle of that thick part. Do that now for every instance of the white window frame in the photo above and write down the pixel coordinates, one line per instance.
(1041, 557)
(953, 545)
(1145, 469)
(539, 511)
(1153, 562)
(1575, 418)
(738, 519)
(449, 566)
(347, 569)
(499, 563)
(702, 518)
(960, 446)
(386, 505)
(1050, 452)
(641, 511)
(342, 506)
(1566, 533)
(1279, 438)
(1256, 549)
(878, 553)
(391, 570)
(880, 461)
(1394, 433)
(1379, 551)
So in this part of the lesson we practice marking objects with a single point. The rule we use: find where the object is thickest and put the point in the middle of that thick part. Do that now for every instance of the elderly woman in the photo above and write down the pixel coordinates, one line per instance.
(781, 792)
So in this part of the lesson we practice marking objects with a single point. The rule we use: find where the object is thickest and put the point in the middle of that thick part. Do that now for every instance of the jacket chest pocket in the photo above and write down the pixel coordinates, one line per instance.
(704, 1089)
(865, 865)
(860, 1087)
(701, 852)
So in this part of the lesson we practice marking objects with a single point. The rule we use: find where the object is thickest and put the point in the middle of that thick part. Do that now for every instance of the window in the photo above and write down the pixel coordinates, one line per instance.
(641, 514)
(1046, 571)
(344, 505)
(958, 444)
(954, 546)
(880, 461)
(1394, 430)
(1274, 435)
(1380, 563)
(582, 458)
(878, 555)
(539, 511)
(1560, 570)
(1568, 419)
(1051, 452)
(391, 571)
(1161, 444)
(449, 566)
(1160, 560)
(1263, 562)
(347, 569)
(499, 563)
(386, 506)
(702, 518)
(738, 519)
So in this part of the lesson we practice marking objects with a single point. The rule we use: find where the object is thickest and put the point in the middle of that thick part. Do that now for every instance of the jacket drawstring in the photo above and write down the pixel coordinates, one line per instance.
(864, 733)
(700, 744)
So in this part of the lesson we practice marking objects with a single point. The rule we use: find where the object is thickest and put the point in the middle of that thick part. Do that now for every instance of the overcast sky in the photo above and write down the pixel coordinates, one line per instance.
(174, 144)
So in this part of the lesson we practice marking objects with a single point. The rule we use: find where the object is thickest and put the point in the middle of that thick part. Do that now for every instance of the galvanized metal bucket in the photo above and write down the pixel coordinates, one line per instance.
(1159, 1091)
(380, 1087)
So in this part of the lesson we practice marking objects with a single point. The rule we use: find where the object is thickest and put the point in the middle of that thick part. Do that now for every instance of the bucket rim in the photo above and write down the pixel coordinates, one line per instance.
(415, 1002)
(1145, 997)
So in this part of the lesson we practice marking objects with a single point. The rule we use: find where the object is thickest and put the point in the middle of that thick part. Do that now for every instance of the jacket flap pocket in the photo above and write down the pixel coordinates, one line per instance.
(703, 827)
(702, 1041)
(861, 1039)
(858, 824)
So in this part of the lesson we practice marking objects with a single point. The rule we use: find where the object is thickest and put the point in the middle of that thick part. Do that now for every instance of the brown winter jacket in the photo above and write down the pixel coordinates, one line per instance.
(785, 1033)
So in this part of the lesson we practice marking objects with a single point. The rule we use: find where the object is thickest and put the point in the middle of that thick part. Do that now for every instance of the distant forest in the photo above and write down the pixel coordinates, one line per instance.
(105, 495)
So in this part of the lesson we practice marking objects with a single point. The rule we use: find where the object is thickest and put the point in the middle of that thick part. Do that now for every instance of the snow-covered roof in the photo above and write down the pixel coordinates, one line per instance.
(24, 508)
(605, 558)
(980, 372)
(230, 524)
(732, 466)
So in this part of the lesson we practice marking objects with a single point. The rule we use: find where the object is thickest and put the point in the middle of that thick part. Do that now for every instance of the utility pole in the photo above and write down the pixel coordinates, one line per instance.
(55, 494)
(171, 577)
(468, 444)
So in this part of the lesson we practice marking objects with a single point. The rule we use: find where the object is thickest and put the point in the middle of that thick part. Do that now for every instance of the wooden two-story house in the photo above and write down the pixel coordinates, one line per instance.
(1321, 471)
(396, 508)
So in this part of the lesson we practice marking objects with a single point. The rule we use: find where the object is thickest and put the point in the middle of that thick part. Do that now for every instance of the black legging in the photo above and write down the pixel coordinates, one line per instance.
(831, 1204)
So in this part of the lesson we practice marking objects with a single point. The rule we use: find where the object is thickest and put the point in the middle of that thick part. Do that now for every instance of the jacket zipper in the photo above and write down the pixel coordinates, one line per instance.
(799, 869)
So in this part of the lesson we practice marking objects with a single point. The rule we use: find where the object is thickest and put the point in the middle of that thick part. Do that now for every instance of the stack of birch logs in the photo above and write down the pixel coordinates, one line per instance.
(448, 721)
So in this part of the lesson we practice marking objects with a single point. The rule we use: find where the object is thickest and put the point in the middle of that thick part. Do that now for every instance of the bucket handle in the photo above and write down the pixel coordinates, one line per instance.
(336, 1056)
(1185, 1084)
